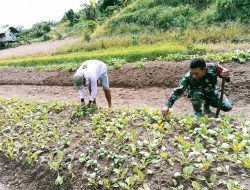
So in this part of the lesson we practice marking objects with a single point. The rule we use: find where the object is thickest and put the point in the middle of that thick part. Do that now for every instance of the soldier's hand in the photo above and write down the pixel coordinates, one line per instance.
(225, 73)
(165, 111)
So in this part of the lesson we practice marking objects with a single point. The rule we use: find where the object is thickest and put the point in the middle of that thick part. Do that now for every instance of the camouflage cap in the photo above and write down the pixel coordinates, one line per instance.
(78, 82)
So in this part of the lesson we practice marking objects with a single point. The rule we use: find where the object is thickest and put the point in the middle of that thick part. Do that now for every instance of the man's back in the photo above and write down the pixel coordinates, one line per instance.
(92, 68)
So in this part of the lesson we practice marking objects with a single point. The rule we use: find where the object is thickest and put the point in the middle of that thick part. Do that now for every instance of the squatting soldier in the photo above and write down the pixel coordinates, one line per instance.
(92, 71)
(201, 83)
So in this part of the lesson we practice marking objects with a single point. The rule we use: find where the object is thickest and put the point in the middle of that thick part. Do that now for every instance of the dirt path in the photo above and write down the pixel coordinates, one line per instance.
(35, 49)
(121, 97)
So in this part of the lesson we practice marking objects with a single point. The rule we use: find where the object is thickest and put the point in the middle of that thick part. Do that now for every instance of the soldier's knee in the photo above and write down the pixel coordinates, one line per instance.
(226, 108)
(227, 105)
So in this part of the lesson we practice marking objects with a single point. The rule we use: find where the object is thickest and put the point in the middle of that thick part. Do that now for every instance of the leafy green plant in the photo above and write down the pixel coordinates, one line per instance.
(82, 111)
(233, 185)
(138, 65)
(186, 172)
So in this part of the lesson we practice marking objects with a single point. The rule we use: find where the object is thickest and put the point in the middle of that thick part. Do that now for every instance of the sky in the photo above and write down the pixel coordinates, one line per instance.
(28, 12)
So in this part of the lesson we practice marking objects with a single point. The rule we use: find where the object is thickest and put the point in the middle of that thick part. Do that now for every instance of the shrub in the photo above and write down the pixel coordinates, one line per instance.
(233, 10)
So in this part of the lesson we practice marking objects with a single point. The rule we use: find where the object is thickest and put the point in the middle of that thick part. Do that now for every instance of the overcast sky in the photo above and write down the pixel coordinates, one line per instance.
(28, 12)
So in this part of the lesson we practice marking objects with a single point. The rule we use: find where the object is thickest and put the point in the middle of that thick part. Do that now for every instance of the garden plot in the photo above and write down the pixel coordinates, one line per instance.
(51, 145)
(46, 144)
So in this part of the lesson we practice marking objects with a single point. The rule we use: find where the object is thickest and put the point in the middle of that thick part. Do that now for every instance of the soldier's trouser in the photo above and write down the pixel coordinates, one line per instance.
(197, 96)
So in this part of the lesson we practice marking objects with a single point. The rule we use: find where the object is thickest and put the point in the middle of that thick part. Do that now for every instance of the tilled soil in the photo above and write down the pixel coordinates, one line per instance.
(153, 74)
(121, 97)
(130, 87)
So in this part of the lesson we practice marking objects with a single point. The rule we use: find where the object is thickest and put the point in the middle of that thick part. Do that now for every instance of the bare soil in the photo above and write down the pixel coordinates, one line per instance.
(130, 87)
(121, 97)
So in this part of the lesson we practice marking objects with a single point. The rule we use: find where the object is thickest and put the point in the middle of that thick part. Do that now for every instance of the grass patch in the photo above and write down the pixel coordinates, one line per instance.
(117, 59)
(230, 33)
(130, 54)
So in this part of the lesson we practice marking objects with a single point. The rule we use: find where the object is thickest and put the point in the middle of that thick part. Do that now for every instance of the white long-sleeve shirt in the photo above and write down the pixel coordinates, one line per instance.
(91, 70)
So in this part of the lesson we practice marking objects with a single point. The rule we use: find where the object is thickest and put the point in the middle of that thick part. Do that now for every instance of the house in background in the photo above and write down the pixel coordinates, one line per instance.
(7, 35)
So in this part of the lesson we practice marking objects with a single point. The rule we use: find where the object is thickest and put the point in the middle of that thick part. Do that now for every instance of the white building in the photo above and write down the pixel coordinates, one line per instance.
(7, 34)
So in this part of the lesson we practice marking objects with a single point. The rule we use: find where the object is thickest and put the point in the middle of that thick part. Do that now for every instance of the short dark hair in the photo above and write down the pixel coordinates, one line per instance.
(198, 63)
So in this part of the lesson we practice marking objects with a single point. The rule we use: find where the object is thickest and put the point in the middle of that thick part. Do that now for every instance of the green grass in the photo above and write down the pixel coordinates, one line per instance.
(131, 54)
(145, 16)
(116, 57)
(227, 34)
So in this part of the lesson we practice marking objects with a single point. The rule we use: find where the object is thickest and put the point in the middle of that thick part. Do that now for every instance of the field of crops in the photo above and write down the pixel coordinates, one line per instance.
(124, 149)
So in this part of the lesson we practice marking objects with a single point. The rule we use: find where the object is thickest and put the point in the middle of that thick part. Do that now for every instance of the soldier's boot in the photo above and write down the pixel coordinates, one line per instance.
(197, 108)
(206, 108)
(197, 115)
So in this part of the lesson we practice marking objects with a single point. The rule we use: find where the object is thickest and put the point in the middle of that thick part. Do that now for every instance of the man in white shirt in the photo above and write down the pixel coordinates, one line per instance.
(92, 71)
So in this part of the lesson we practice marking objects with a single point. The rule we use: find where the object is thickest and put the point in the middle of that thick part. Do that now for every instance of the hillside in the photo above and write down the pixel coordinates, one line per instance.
(147, 21)
(151, 16)
(150, 21)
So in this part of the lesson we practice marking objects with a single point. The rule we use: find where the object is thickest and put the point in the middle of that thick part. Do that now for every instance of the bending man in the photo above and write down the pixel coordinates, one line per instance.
(92, 71)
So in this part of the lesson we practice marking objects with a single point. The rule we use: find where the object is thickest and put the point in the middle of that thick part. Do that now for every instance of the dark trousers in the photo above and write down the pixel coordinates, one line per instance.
(212, 99)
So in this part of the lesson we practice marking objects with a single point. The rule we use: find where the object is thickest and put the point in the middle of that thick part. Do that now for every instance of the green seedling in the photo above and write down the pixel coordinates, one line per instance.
(186, 172)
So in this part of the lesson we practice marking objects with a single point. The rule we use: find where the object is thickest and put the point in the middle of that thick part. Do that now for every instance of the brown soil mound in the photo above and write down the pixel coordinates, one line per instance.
(158, 74)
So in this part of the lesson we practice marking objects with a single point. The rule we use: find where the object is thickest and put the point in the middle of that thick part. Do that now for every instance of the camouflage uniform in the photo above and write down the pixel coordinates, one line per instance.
(203, 89)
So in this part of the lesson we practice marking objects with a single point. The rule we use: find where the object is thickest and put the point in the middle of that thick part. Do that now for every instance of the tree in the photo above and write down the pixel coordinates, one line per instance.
(109, 6)
(233, 10)
(71, 17)
(90, 10)
(104, 4)
(40, 29)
